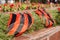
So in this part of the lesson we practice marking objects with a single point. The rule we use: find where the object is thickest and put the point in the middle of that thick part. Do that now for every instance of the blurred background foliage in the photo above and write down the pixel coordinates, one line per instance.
(43, 1)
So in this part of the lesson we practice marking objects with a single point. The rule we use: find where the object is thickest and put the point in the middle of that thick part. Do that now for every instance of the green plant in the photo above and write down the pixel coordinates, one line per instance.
(37, 23)
(23, 7)
(3, 27)
(58, 19)
(36, 26)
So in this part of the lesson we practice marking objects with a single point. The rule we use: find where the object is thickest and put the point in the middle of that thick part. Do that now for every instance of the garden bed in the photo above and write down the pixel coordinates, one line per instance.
(52, 33)
(34, 29)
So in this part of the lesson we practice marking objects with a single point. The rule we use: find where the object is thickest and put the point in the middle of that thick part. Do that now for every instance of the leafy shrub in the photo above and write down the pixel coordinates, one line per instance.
(58, 18)
(54, 13)
(3, 26)
(37, 23)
